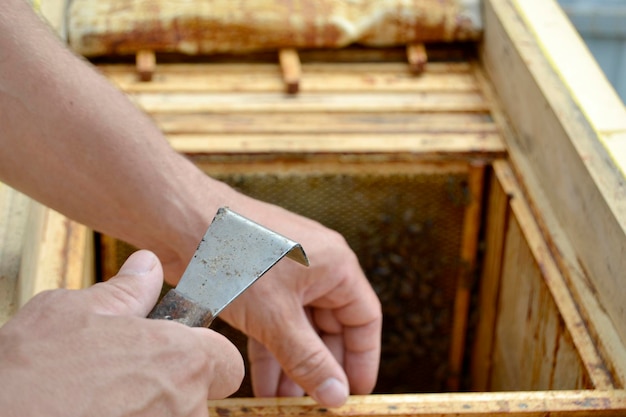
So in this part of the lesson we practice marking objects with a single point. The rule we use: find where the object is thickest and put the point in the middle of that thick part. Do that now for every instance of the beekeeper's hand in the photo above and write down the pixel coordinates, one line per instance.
(92, 352)
(315, 329)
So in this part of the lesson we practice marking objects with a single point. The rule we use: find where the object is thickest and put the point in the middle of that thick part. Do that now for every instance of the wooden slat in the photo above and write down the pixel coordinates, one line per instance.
(56, 254)
(331, 65)
(488, 144)
(325, 123)
(268, 103)
(468, 253)
(502, 404)
(531, 345)
(557, 143)
(580, 72)
(532, 256)
(497, 219)
(179, 78)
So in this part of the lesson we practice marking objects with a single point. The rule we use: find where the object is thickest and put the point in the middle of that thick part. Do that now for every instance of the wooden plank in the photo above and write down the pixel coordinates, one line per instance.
(230, 165)
(55, 254)
(331, 64)
(13, 217)
(321, 123)
(468, 253)
(267, 78)
(497, 215)
(529, 254)
(599, 324)
(530, 334)
(487, 145)
(504, 404)
(355, 54)
(557, 142)
(269, 103)
(580, 73)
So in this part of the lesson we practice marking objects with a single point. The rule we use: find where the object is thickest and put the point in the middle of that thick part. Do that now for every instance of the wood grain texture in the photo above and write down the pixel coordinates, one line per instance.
(580, 73)
(530, 336)
(317, 78)
(469, 252)
(364, 108)
(556, 141)
(539, 326)
(56, 254)
(497, 218)
(200, 27)
(599, 324)
(505, 404)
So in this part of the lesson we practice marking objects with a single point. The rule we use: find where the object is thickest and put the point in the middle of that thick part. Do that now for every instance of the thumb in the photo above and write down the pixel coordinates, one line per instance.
(134, 290)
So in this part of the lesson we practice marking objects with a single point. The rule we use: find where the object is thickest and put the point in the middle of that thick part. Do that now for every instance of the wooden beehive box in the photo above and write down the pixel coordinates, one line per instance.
(484, 197)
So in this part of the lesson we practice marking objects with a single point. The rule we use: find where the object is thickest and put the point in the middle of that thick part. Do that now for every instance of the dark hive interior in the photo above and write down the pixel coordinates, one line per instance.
(405, 227)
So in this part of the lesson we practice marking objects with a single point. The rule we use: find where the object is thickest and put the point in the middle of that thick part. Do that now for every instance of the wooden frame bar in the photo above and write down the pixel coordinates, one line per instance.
(505, 404)
(469, 252)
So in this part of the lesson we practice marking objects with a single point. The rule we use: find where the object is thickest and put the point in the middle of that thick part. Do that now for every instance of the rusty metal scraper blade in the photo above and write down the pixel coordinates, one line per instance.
(232, 255)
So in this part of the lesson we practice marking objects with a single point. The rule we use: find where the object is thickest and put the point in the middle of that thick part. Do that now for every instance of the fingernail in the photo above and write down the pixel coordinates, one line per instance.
(331, 393)
(139, 263)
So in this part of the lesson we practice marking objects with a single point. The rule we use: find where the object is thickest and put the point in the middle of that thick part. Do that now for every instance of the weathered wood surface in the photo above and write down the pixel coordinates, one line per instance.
(552, 316)
(199, 27)
(468, 256)
(580, 72)
(505, 404)
(599, 324)
(39, 250)
(315, 78)
(558, 142)
(342, 107)
(533, 349)
(57, 253)
(498, 212)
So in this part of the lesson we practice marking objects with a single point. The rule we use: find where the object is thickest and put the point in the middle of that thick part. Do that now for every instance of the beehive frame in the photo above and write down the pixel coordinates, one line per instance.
(539, 104)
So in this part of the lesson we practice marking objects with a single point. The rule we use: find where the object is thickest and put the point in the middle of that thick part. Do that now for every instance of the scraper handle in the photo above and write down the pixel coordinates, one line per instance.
(176, 307)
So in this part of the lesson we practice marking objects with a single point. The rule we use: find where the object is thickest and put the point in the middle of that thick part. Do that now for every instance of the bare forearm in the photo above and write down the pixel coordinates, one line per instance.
(72, 141)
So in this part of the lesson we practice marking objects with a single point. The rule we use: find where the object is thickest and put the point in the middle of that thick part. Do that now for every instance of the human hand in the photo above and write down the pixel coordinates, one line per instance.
(321, 324)
(92, 352)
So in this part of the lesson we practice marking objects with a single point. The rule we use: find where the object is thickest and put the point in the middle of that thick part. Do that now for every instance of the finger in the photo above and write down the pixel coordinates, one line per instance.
(354, 310)
(307, 361)
(224, 367)
(133, 291)
(362, 356)
(288, 388)
(265, 371)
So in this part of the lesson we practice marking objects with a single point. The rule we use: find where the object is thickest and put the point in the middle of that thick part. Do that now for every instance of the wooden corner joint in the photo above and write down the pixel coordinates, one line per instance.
(417, 57)
(291, 69)
(145, 60)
